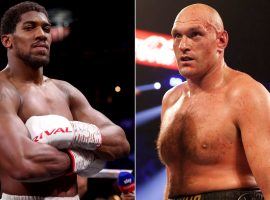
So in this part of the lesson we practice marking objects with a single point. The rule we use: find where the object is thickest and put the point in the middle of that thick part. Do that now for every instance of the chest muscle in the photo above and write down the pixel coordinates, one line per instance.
(43, 101)
(200, 131)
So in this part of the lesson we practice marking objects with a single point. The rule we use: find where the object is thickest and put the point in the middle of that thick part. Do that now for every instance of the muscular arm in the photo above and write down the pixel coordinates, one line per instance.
(114, 142)
(21, 158)
(253, 119)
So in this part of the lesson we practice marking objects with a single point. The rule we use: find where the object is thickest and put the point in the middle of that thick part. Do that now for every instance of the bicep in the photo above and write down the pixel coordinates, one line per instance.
(255, 128)
(16, 149)
(13, 133)
(24, 160)
(253, 120)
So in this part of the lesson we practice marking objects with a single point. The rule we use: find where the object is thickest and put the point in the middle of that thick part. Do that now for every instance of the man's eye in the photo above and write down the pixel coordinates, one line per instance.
(28, 28)
(47, 29)
(177, 35)
(195, 34)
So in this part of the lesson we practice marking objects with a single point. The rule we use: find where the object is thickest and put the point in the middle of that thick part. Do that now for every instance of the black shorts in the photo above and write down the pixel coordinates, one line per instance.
(235, 194)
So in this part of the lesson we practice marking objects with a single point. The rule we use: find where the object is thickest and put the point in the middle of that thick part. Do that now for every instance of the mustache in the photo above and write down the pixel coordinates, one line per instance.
(40, 44)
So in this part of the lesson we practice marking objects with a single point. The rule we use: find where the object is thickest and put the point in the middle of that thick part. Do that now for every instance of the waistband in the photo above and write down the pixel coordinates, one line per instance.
(17, 197)
(234, 194)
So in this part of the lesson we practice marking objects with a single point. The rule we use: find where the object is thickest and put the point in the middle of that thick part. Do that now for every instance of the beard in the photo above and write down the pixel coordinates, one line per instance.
(35, 61)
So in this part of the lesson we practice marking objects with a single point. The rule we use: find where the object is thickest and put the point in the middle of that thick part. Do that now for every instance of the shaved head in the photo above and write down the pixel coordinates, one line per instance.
(203, 13)
(199, 40)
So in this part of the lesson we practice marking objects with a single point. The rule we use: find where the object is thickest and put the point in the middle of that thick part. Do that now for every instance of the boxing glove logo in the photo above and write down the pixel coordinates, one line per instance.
(50, 132)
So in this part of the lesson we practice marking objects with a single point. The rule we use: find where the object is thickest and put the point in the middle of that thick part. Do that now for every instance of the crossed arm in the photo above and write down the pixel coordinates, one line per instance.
(25, 160)
(21, 158)
(114, 142)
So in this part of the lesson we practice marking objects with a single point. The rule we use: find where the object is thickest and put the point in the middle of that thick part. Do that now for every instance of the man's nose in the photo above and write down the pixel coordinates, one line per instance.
(40, 33)
(184, 44)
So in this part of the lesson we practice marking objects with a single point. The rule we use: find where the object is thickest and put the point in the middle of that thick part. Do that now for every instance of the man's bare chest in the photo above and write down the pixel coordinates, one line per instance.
(200, 130)
(43, 101)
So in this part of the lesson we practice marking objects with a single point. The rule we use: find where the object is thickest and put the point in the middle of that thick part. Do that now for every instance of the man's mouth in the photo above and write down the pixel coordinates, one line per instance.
(186, 58)
(40, 45)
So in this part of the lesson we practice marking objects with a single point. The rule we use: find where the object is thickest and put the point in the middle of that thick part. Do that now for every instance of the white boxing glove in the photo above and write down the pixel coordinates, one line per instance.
(84, 162)
(61, 133)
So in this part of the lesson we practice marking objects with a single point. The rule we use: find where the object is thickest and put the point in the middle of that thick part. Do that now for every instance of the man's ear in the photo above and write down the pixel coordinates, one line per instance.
(6, 40)
(222, 40)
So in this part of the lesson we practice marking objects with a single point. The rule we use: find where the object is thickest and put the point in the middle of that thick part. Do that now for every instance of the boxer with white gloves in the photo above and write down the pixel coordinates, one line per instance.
(58, 131)
(61, 133)
(34, 170)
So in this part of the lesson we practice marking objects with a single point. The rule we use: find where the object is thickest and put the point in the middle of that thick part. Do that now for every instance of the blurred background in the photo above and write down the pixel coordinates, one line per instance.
(93, 49)
(247, 23)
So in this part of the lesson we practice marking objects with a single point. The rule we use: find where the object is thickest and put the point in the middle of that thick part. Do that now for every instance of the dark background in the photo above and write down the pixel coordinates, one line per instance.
(247, 23)
(97, 56)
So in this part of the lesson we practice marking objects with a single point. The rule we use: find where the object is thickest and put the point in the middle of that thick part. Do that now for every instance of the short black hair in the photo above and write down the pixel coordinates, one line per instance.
(13, 15)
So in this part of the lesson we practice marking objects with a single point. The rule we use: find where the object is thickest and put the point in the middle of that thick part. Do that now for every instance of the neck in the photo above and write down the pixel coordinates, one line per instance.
(212, 79)
(20, 71)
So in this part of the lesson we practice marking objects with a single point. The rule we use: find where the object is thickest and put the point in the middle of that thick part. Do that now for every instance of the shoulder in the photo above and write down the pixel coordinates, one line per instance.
(6, 87)
(243, 90)
(173, 94)
(8, 93)
(60, 83)
(68, 89)
(64, 86)
(242, 84)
